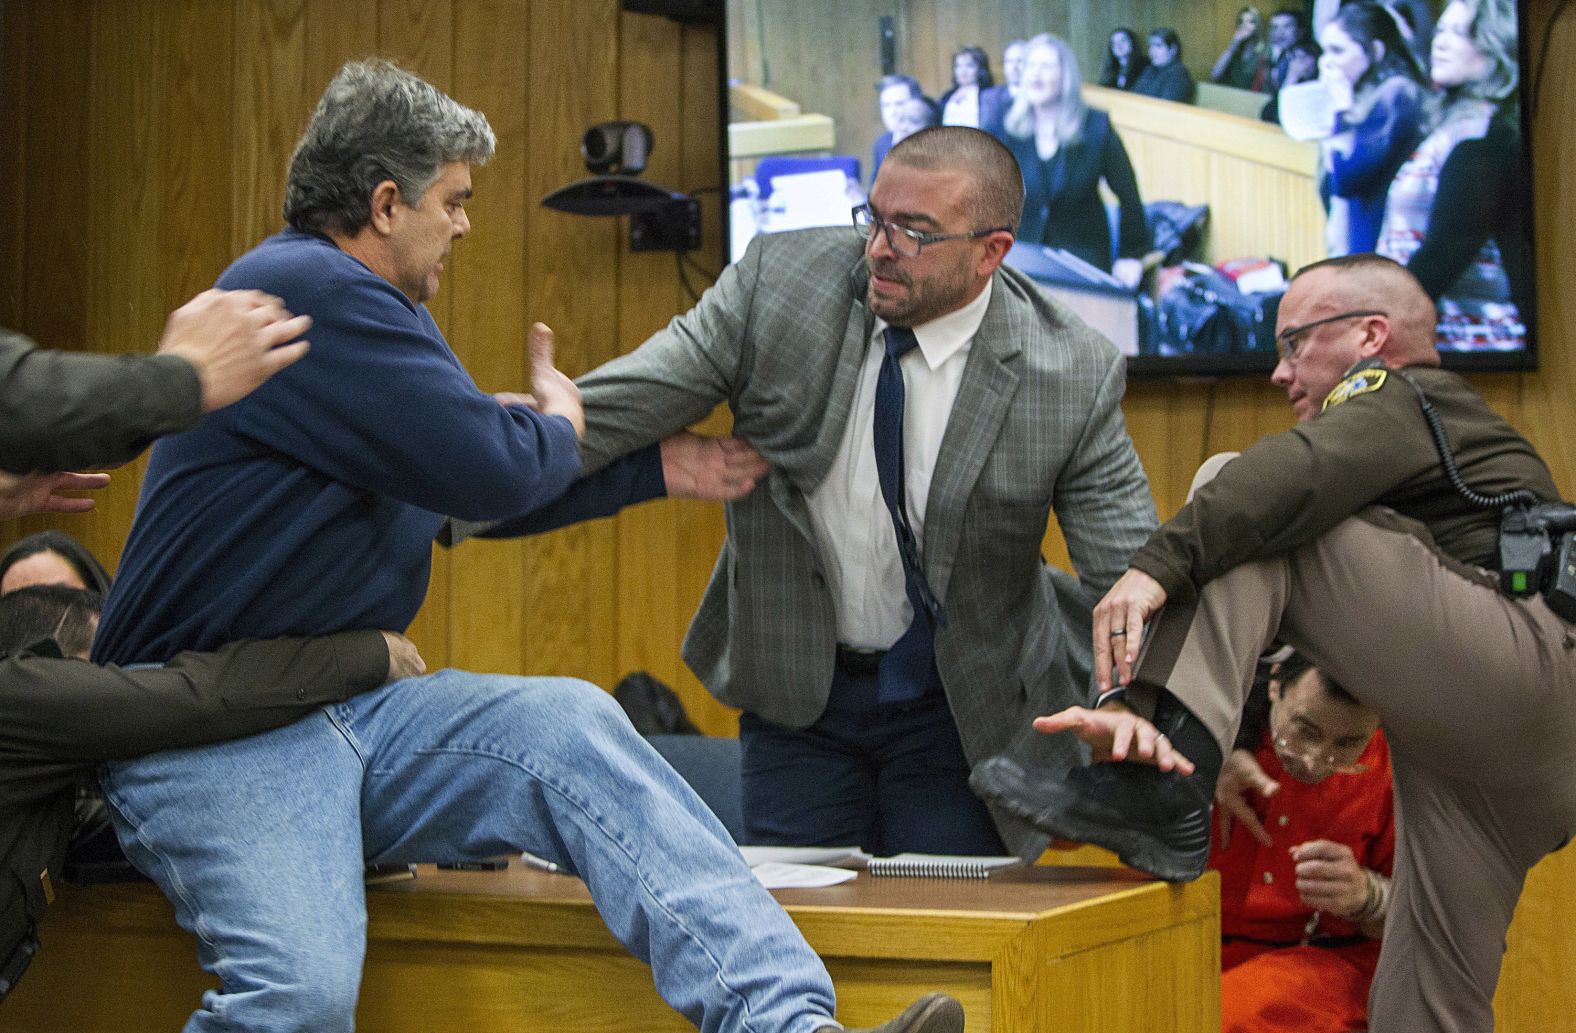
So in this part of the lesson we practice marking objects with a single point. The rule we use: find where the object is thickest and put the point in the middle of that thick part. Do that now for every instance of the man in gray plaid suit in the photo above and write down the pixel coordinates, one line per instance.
(1010, 410)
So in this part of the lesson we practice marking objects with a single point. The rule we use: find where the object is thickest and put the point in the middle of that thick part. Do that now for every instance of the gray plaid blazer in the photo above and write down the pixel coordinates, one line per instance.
(1037, 427)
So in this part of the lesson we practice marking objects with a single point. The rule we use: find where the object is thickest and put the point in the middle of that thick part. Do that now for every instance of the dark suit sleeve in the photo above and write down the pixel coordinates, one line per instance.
(1117, 170)
(71, 710)
(60, 411)
(625, 481)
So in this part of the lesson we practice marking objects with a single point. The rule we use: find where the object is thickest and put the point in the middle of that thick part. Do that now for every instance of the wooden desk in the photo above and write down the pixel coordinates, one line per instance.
(1070, 950)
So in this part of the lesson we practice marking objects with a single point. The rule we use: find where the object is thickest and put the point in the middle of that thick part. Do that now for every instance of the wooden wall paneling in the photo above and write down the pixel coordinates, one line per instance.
(13, 187)
(1548, 394)
(55, 221)
(668, 79)
(123, 196)
(55, 230)
(487, 280)
(1536, 991)
(14, 95)
(649, 624)
(198, 138)
(571, 276)
(271, 106)
(336, 32)
(419, 36)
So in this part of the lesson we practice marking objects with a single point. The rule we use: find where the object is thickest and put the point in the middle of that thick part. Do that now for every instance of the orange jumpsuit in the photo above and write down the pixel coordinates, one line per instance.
(1276, 975)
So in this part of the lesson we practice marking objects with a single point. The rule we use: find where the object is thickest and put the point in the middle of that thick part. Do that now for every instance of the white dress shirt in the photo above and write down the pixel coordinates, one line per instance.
(852, 524)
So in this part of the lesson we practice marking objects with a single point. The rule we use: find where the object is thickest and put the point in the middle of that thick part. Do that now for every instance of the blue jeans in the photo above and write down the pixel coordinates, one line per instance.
(259, 843)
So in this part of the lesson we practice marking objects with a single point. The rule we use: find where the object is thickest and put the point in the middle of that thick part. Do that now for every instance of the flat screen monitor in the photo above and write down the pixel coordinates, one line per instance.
(1251, 145)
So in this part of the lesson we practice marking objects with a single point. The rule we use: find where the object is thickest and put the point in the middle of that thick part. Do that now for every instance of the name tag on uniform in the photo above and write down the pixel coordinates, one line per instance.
(1357, 384)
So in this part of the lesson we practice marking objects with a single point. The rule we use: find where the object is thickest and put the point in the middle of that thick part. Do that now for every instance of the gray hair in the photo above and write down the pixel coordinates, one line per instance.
(376, 122)
(1069, 118)
(997, 198)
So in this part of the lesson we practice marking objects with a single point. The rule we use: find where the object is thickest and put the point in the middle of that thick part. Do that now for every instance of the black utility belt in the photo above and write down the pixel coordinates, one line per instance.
(1537, 554)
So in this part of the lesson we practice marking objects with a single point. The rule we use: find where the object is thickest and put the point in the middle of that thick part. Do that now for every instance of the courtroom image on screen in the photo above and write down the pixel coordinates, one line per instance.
(1180, 157)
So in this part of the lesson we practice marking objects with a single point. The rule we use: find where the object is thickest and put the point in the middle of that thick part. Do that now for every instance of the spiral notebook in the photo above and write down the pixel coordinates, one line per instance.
(940, 866)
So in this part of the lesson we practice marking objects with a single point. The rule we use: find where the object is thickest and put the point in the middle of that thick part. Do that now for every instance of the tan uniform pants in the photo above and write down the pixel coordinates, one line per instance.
(1477, 694)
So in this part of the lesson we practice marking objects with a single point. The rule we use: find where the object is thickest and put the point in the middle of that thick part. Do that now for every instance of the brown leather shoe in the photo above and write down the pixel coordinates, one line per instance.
(932, 1013)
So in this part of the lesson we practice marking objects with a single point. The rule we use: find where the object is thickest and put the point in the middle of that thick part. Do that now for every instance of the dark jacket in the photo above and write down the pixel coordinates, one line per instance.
(1374, 449)
(62, 411)
(61, 718)
(1168, 82)
(1062, 205)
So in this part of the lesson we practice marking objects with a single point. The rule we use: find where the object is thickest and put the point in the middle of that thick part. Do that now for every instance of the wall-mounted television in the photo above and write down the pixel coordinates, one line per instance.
(1405, 135)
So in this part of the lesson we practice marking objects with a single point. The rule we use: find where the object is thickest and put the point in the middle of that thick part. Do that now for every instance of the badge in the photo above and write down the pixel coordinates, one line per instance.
(1361, 383)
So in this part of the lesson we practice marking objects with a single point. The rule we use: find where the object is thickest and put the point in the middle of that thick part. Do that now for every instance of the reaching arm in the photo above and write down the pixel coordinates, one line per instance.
(73, 711)
(1102, 498)
(61, 411)
(415, 427)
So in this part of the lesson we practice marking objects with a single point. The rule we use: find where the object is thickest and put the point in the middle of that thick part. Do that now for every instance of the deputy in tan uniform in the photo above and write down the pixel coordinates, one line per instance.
(1344, 538)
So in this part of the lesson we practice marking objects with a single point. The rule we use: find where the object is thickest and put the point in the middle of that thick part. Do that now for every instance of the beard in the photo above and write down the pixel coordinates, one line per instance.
(926, 298)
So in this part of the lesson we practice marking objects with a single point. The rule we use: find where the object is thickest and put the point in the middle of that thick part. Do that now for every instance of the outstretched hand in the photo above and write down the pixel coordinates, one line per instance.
(1119, 625)
(1114, 732)
(552, 393)
(22, 494)
(711, 468)
(235, 340)
(1240, 774)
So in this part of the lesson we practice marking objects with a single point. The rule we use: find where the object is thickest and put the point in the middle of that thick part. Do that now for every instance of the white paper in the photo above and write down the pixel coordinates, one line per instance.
(754, 855)
(775, 875)
(804, 199)
(1268, 280)
(1306, 111)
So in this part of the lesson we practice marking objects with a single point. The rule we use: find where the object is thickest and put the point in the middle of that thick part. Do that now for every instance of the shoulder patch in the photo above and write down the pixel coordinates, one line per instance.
(1362, 383)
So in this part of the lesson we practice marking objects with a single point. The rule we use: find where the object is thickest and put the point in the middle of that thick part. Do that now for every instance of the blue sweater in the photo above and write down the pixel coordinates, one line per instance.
(310, 506)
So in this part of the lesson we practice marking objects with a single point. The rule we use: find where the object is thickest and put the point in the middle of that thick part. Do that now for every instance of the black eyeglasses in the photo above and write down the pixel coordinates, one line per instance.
(1286, 342)
(905, 241)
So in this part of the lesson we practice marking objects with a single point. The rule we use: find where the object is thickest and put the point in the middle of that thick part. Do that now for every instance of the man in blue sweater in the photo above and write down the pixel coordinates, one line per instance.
(311, 507)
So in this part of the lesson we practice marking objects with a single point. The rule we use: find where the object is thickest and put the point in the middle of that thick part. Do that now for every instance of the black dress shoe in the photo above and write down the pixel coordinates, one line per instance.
(1153, 820)
(933, 1013)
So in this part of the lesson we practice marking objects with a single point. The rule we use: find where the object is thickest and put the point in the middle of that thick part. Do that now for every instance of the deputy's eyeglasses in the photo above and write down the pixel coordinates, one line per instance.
(905, 241)
(1290, 339)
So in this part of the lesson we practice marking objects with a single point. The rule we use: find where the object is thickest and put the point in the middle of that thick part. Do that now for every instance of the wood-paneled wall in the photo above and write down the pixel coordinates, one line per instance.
(143, 145)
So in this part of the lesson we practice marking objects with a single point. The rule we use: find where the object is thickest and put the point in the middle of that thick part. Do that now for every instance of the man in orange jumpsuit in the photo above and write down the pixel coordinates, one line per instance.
(1304, 841)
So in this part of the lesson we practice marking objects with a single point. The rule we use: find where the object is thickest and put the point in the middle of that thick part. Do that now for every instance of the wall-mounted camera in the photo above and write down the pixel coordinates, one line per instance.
(616, 147)
(615, 153)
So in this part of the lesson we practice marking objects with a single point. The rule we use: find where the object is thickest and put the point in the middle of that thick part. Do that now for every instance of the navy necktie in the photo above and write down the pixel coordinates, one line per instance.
(905, 669)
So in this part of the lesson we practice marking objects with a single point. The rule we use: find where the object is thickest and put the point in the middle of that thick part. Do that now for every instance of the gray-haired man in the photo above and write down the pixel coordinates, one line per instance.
(312, 505)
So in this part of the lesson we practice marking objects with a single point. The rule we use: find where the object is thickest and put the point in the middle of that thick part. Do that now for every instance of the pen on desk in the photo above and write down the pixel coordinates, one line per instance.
(541, 864)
